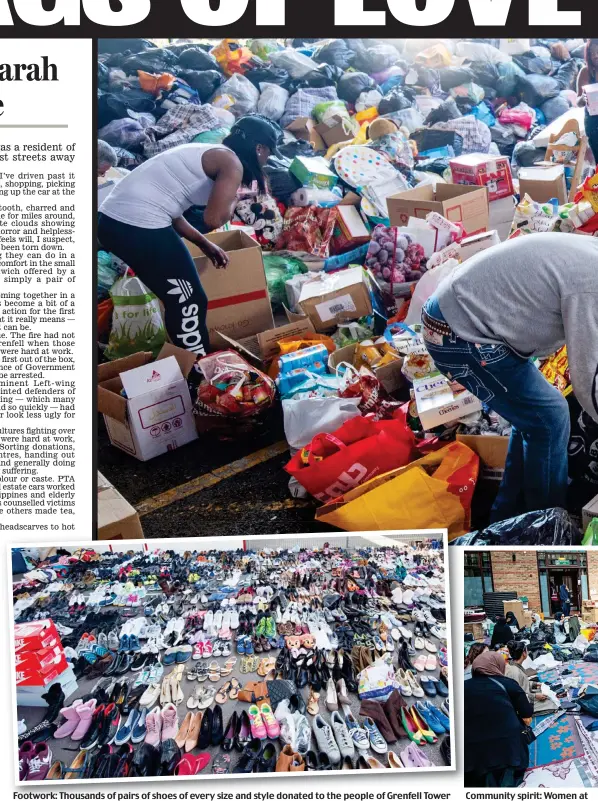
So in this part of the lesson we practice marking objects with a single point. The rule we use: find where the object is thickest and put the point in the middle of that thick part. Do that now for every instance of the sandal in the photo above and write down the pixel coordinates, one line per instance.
(192, 674)
(202, 673)
(206, 698)
(214, 671)
(245, 662)
(313, 704)
(227, 669)
(221, 764)
(234, 691)
(194, 698)
(222, 694)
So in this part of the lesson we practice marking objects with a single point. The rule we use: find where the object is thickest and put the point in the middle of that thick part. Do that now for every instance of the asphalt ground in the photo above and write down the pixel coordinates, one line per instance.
(213, 487)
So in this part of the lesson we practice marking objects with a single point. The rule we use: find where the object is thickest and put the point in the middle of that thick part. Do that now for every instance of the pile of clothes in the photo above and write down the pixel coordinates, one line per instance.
(317, 658)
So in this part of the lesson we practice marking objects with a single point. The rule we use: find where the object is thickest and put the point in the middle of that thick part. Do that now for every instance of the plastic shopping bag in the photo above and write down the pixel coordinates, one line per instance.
(305, 417)
(433, 492)
(137, 323)
(359, 450)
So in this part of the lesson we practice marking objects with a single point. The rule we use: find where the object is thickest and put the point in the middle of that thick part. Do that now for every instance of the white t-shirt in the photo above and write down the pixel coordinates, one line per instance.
(161, 189)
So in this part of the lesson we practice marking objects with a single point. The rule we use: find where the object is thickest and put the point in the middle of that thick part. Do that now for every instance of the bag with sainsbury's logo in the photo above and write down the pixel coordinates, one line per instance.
(146, 404)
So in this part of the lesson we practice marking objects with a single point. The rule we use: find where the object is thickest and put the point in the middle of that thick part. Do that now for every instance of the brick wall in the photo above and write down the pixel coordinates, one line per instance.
(521, 575)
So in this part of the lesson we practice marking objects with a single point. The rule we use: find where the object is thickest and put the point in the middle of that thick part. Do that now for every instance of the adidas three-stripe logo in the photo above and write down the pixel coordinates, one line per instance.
(181, 288)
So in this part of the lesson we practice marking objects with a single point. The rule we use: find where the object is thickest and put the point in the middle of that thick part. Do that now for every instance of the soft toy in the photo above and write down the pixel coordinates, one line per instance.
(264, 215)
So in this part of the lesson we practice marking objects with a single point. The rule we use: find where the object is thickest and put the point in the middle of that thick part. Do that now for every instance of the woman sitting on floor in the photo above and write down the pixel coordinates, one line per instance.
(542, 704)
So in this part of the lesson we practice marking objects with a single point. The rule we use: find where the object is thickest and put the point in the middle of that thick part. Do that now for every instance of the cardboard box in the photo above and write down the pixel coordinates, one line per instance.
(313, 172)
(492, 451)
(32, 696)
(591, 91)
(437, 404)
(480, 169)
(335, 298)
(36, 635)
(156, 416)
(29, 676)
(340, 130)
(476, 244)
(543, 183)
(516, 607)
(238, 300)
(305, 128)
(590, 511)
(527, 618)
(117, 519)
(390, 375)
(476, 630)
(262, 348)
(350, 230)
(42, 660)
(467, 205)
(501, 213)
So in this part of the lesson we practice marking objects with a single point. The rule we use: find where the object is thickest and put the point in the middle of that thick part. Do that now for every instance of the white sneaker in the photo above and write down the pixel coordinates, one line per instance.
(342, 736)
(303, 733)
(325, 739)
(208, 620)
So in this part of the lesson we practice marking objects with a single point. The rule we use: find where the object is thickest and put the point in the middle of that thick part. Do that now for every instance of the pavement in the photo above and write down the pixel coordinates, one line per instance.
(213, 487)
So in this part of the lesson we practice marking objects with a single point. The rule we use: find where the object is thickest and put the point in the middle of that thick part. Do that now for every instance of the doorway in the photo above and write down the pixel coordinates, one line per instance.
(571, 578)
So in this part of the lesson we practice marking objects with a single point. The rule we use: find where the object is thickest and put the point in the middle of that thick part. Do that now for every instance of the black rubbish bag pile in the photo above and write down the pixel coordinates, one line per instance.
(550, 527)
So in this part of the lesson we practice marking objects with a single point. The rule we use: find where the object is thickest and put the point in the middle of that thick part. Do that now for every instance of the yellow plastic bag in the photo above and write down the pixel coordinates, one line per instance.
(232, 56)
(437, 56)
(433, 492)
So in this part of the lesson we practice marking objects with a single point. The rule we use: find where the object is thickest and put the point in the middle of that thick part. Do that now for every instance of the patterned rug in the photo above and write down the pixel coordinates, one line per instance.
(588, 671)
(560, 742)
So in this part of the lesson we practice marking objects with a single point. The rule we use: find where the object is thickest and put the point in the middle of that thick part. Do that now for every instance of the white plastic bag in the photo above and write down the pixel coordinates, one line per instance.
(306, 417)
(237, 95)
(515, 47)
(425, 288)
(369, 99)
(273, 101)
(295, 63)
(478, 51)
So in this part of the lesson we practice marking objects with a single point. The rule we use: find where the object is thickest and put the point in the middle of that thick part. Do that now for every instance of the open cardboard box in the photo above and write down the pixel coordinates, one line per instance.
(336, 298)
(238, 299)
(305, 128)
(467, 205)
(492, 451)
(263, 347)
(390, 375)
(156, 416)
(117, 519)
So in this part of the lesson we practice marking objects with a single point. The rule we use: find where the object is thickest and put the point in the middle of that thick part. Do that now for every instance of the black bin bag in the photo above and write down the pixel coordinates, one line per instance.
(549, 527)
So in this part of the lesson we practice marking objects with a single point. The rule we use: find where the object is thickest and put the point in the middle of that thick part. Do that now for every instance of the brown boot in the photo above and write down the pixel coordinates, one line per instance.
(285, 760)
(184, 730)
(297, 763)
(193, 733)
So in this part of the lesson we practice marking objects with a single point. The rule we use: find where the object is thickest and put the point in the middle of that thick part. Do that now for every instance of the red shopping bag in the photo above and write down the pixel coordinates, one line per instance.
(359, 450)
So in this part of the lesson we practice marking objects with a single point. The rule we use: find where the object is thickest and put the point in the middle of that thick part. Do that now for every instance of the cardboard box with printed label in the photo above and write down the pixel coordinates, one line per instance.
(390, 375)
(36, 635)
(31, 695)
(156, 414)
(335, 298)
(480, 169)
(438, 404)
(542, 183)
(467, 205)
(590, 511)
(591, 92)
(238, 300)
(314, 172)
(117, 519)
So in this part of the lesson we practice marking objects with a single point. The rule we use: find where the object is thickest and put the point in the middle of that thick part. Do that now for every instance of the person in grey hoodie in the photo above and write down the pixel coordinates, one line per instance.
(489, 318)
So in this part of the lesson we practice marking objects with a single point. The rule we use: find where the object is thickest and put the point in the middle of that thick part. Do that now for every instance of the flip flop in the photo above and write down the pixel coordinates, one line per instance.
(222, 694)
(221, 764)
(207, 697)
(234, 691)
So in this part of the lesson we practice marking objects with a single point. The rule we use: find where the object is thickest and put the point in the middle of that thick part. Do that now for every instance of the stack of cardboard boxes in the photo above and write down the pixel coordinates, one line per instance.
(40, 662)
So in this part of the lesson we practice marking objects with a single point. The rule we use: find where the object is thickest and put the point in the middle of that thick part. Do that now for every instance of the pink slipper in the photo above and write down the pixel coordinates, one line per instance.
(420, 663)
(431, 662)
(258, 727)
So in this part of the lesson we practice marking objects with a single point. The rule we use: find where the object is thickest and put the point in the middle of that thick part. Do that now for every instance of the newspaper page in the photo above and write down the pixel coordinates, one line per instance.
(241, 440)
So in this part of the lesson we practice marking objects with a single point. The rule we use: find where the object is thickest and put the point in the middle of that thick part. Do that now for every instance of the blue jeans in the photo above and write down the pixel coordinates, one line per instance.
(536, 469)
